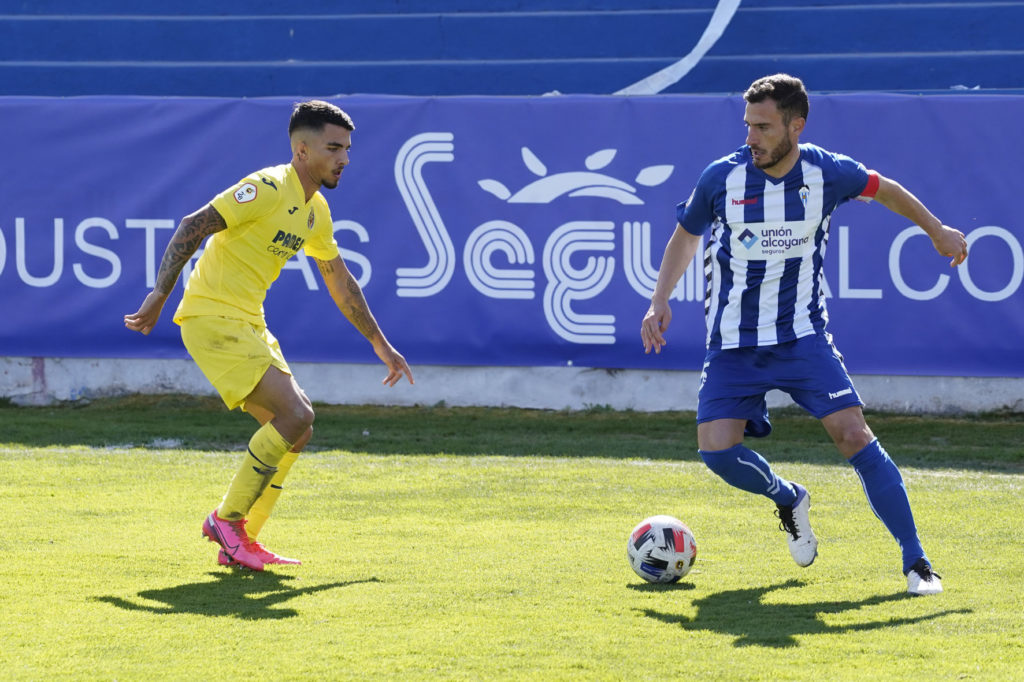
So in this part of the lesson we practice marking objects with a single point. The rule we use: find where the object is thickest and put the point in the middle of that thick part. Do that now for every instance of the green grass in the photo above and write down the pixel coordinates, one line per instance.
(490, 544)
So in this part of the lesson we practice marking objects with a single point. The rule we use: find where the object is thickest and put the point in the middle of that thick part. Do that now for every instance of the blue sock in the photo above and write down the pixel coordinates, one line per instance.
(743, 468)
(888, 499)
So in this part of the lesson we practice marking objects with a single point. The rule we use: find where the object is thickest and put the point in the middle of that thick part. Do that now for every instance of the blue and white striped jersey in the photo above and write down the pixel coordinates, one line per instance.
(768, 237)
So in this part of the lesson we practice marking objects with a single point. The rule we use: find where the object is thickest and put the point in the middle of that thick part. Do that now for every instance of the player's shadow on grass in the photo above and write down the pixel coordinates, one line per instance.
(238, 594)
(742, 613)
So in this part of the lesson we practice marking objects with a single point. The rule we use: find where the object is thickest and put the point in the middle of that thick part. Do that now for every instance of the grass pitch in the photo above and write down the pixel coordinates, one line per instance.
(490, 544)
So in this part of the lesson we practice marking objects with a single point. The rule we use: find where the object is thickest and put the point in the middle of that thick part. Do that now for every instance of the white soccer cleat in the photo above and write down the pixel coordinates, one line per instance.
(795, 520)
(921, 580)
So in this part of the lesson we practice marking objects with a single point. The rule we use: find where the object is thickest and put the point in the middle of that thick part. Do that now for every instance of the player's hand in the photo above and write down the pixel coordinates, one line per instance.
(397, 365)
(652, 329)
(148, 313)
(951, 243)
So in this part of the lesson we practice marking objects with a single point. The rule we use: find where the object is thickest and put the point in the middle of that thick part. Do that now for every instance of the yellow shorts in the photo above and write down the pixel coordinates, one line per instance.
(233, 354)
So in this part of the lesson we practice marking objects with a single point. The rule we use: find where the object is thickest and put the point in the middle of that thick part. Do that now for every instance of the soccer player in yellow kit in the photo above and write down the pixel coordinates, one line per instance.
(254, 227)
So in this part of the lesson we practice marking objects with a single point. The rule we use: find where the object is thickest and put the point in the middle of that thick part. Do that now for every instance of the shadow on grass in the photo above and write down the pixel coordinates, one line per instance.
(661, 587)
(743, 614)
(237, 594)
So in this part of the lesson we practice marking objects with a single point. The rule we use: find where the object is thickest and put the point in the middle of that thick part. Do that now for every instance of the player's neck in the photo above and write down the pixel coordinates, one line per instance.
(309, 185)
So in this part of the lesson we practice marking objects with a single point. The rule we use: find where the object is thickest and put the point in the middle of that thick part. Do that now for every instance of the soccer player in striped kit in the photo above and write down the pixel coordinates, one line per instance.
(767, 207)
(254, 227)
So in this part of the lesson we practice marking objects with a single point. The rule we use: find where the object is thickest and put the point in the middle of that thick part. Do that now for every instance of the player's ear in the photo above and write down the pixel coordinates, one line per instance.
(299, 148)
(797, 124)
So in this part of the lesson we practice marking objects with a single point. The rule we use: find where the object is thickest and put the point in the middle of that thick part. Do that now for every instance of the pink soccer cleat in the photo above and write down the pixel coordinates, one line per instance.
(233, 539)
(268, 557)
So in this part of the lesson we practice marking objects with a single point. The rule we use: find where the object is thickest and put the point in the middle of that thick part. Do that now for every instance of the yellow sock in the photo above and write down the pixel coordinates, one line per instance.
(261, 509)
(266, 449)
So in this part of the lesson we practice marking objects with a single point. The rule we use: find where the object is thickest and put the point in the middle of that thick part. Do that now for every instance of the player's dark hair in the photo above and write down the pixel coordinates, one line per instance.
(315, 114)
(786, 91)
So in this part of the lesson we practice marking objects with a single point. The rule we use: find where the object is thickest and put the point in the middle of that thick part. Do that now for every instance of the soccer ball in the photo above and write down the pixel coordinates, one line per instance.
(661, 549)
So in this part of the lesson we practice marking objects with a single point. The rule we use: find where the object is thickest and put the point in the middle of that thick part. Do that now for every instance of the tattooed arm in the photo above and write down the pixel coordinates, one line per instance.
(190, 234)
(350, 301)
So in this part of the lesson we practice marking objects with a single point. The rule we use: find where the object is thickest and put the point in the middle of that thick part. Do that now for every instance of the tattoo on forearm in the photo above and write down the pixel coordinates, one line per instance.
(186, 240)
(325, 266)
(357, 311)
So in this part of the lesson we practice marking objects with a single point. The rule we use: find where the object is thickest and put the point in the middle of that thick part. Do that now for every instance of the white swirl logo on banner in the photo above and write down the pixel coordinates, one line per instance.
(417, 151)
(566, 284)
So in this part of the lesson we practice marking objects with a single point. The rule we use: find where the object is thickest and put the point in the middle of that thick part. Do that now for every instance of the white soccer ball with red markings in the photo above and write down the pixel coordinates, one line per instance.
(661, 549)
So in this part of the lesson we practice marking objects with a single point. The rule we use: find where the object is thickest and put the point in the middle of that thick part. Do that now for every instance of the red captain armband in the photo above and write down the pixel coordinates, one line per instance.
(870, 189)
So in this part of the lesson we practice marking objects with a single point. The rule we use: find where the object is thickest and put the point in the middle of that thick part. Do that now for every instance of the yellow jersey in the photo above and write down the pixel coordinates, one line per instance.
(268, 222)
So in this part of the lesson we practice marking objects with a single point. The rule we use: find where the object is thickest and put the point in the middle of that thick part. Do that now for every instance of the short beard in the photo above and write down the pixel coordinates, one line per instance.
(784, 148)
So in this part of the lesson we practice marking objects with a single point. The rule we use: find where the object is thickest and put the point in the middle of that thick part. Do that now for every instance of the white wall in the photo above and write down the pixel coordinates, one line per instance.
(40, 381)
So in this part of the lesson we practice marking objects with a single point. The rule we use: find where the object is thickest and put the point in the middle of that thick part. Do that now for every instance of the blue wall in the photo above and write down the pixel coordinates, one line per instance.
(498, 47)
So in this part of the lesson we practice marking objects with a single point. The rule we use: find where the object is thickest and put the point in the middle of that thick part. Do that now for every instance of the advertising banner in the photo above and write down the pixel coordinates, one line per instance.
(506, 231)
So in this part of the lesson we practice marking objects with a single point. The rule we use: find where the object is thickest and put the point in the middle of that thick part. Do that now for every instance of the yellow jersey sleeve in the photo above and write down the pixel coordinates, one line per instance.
(245, 202)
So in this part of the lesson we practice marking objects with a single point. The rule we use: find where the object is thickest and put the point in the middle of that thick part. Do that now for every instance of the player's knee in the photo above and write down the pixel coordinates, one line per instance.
(711, 441)
(719, 461)
(714, 461)
(301, 415)
(853, 438)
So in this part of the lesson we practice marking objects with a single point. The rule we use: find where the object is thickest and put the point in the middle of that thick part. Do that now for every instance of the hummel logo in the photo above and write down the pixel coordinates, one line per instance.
(742, 202)
(269, 182)
(292, 210)
(747, 238)
(837, 394)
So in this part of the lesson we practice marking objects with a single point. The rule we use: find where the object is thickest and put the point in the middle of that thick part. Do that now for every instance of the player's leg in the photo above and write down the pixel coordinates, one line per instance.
(743, 468)
(233, 356)
(239, 360)
(731, 405)
(722, 449)
(825, 390)
(261, 509)
(886, 493)
(279, 395)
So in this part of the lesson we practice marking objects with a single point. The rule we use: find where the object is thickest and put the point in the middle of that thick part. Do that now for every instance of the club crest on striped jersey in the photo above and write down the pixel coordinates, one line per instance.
(805, 194)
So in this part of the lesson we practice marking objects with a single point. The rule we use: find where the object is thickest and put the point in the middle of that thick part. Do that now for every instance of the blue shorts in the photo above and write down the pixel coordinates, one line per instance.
(734, 382)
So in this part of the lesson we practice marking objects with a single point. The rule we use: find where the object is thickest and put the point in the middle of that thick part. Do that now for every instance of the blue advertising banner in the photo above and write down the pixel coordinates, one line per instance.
(506, 231)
